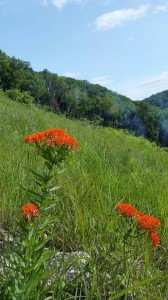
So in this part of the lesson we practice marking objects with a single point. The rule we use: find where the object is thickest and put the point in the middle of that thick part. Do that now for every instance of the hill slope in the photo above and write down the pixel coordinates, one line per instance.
(80, 99)
(159, 100)
(109, 166)
(105, 155)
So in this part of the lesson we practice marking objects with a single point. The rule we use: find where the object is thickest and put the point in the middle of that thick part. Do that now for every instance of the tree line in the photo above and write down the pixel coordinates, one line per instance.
(82, 100)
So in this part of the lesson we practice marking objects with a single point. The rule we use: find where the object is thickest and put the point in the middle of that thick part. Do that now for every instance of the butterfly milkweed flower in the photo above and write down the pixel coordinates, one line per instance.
(34, 138)
(53, 144)
(154, 237)
(30, 210)
(126, 210)
(148, 222)
(145, 222)
(52, 137)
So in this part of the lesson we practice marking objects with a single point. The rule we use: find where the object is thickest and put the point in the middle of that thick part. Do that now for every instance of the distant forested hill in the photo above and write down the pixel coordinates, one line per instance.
(159, 100)
(83, 100)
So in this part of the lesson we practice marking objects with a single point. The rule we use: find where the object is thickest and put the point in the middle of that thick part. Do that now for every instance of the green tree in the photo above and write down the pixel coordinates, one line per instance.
(5, 72)
(149, 117)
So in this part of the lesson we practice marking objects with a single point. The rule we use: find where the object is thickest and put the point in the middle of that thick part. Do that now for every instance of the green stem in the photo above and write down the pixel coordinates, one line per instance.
(47, 178)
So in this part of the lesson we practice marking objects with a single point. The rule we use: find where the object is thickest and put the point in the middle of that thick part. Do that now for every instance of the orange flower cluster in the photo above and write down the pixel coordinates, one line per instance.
(146, 222)
(52, 137)
(34, 138)
(154, 237)
(126, 210)
(30, 210)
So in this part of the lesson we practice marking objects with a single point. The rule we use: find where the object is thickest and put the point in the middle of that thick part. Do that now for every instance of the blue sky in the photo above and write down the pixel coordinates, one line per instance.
(120, 44)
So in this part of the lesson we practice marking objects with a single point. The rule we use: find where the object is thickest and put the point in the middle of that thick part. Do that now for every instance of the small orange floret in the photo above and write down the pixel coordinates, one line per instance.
(28, 139)
(66, 140)
(139, 214)
(30, 210)
(54, 131)
(154, 237)
(148, 222)
(126, 210)
(34, 138)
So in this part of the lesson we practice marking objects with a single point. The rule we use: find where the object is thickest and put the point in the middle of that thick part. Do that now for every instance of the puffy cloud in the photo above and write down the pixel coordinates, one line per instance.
(119, 17)
(161, 8)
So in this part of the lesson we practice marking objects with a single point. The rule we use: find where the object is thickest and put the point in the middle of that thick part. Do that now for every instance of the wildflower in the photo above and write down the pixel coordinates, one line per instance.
(35, 137)
(139, 214)
(148, 222)
(65, 140)
(30, 210)
(126, 210)
(52, 137)
(154, 237)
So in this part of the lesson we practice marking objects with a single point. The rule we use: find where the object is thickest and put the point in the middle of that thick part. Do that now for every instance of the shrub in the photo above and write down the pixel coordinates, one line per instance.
(18, 96)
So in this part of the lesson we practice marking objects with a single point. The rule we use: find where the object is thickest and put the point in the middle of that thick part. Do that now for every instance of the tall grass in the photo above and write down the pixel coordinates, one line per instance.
(109, 166)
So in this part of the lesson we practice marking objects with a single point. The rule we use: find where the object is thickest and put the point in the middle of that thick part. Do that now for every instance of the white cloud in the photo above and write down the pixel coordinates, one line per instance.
(72, 74)
(160, 8)
(119, 17)
(144, 89)
(103, 80)
(61, 3)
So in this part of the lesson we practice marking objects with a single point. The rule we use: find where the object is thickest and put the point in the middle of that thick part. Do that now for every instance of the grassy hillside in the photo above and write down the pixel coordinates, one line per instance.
(109, 166)
(80, 99)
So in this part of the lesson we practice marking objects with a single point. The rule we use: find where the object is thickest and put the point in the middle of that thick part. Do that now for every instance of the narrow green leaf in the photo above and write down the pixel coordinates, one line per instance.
(135, 286)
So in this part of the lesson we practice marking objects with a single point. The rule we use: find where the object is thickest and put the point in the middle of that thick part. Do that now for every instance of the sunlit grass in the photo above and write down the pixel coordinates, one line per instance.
(108, 167)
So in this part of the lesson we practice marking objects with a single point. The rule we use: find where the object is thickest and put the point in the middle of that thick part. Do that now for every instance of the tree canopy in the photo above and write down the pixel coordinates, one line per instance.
(81, 99)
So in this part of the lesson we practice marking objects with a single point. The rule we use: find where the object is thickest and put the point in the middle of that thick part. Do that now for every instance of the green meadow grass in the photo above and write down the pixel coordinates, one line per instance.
(108, 167)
